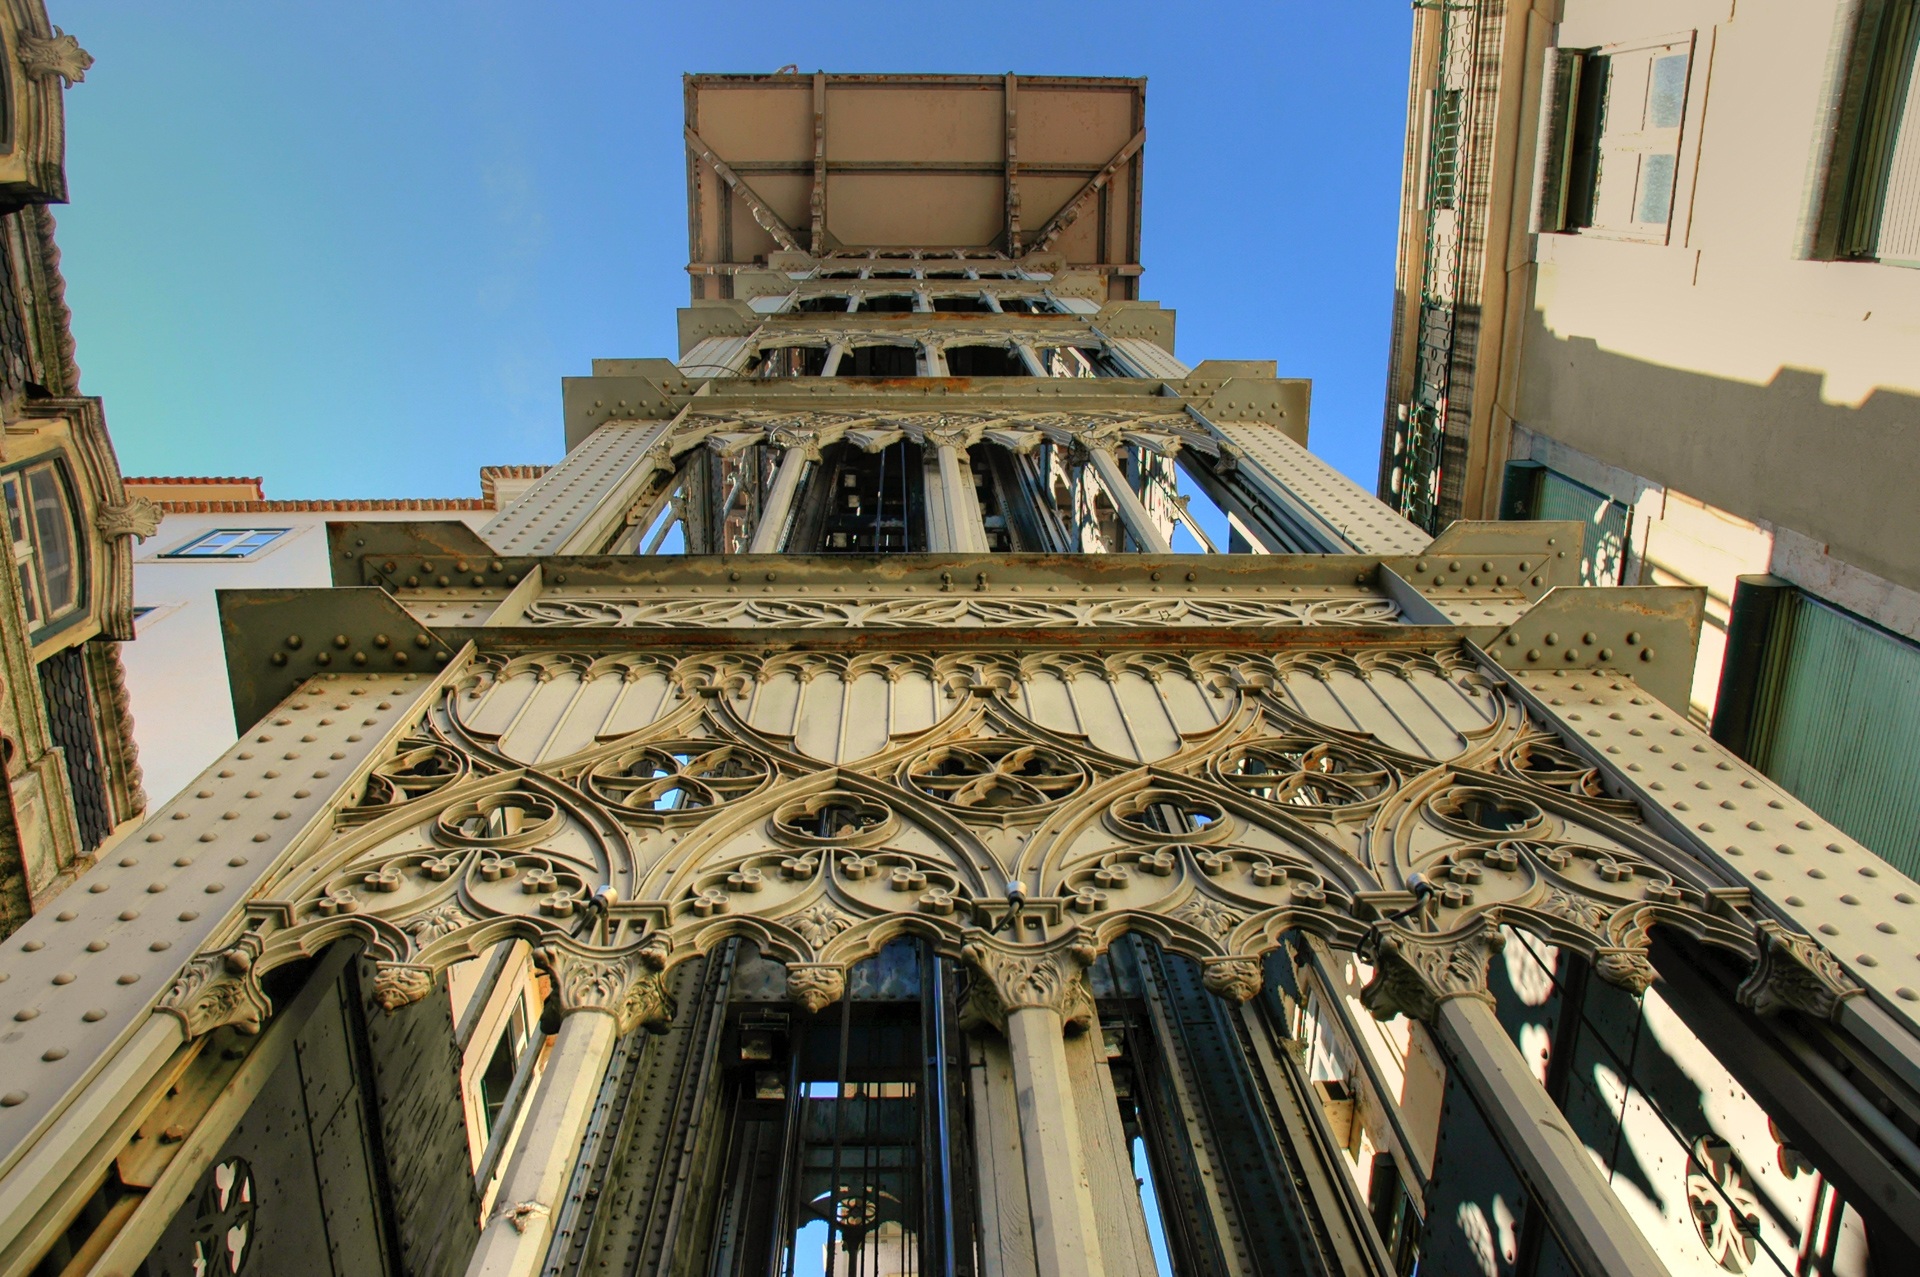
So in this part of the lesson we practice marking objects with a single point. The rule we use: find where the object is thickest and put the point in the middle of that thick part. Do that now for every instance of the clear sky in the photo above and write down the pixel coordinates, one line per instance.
(353, 247)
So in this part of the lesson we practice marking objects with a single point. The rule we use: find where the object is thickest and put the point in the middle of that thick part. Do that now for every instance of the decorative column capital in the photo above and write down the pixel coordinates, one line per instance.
(1795, 972)
(630, 986)
(1414, 972)
(788, 438)
(815, 985)
(1008, 979)
(218, 989)
(949, 437)
(1235, 979)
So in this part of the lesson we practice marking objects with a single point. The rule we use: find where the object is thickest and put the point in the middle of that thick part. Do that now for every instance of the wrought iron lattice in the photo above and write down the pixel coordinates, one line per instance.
(1419, 445)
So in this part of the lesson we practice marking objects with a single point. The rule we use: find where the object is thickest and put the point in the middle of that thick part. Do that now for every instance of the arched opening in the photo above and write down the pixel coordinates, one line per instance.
(984, 361)
(825, 303)
(888, 303)
(962, 304)
(788, 361)
(879, 361)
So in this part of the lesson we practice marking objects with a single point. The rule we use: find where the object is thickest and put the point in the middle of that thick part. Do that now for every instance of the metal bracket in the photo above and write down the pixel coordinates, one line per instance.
(1649, 632)
(622, 390)
(386, 554)
(276, 639)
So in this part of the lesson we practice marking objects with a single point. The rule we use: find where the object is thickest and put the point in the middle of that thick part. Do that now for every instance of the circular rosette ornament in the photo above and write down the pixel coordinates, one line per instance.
(763, 883)
(389, 887)
(1130, 878)
(518, 818)
(1155, 815)
(1004, 777)
(528, 883)
(1301, 772)
(688, 777)
(1484, 874)
(1259, 879)
(835, 817)
(1472, 811)
(887, 880)
(419, 769)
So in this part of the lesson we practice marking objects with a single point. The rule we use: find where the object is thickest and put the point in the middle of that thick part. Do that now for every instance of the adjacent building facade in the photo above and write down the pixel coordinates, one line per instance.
(823, 824)
(1657, 274)
(223, 534)
(72, 779)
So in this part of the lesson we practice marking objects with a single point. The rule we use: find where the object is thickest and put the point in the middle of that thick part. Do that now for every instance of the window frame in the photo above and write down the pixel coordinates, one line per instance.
(186, 550)
(1874, 92)
(1576, 139)
(25, 535)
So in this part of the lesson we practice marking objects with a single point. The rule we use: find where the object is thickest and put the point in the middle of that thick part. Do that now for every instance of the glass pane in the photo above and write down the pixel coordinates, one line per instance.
(1656, 189)
(1667, 94)
(28, 595)
(16, 517)
(53, 538)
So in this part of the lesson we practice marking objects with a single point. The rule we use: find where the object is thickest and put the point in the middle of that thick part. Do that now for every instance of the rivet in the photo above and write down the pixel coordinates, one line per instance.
(63, 977)
(33, 946)
(1646, 653)
(421, 640)
(128, 915)
(1454, 566)
(161, 946)
(278, 658)
(53, 1053)
(91, 1014)
(323, 658)
(1533, 653)
(359, 658)
(381, 640)
(1589, 638)
(293, 641)
(131, 977)
(1552, 638)
(66, 915)
(12, 1098)
(1606, 653)
(188, 915)
(1513, 640)
(1633, 638)
(26, 1013)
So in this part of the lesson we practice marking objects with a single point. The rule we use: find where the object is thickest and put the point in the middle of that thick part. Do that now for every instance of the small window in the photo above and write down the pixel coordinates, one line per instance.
(502, 1065)
(46, 547)
(1880, 208)
(227, 543)
(1614, 139)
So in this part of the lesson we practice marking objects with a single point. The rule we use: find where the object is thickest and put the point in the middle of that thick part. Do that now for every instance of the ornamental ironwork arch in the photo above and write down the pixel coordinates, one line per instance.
(1269, 823)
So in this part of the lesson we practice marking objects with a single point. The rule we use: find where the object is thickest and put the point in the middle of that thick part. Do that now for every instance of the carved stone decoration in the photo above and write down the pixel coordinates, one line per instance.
(626, 985)
(1629, 969)
(1007, 979)
(137, 517)
(42, 57)
(1235, 979)
(218, 989)
(399, 984)
(1795, 972)
(816, 985)
(1414, 972)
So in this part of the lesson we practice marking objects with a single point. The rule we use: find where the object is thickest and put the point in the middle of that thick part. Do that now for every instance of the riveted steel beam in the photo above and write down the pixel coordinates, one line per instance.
(277, 639)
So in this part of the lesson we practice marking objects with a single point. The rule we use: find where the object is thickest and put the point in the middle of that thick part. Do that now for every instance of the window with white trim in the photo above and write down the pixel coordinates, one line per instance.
(227, 543)
(1613, 139)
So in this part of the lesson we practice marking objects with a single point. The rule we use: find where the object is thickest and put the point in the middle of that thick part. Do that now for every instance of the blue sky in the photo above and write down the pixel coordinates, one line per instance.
(353, 247)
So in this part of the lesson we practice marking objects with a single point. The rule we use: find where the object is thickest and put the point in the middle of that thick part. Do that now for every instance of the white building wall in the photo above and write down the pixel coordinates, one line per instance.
(176, 667)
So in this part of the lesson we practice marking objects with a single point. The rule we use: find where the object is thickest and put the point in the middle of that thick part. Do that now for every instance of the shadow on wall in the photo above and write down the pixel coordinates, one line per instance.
(1779, 452)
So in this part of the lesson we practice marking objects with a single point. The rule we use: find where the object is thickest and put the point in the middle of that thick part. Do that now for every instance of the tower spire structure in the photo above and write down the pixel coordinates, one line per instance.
(926, 823)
